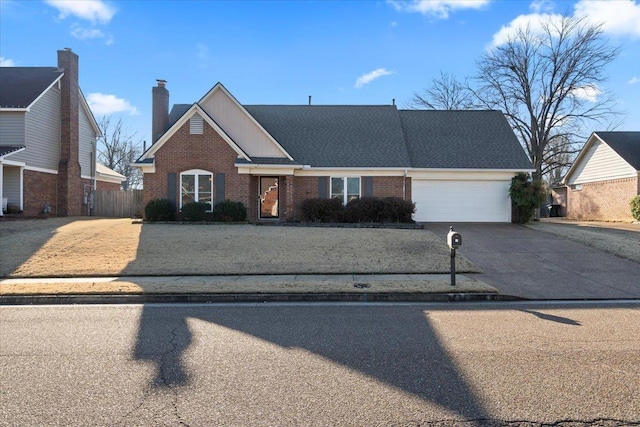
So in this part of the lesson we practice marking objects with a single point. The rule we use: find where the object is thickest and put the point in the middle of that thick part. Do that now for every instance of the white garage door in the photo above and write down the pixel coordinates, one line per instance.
(461, 201)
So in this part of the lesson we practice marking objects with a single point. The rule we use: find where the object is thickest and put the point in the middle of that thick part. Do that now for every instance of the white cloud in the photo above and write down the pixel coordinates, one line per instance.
(103, 104)
(96, 11)
(438, 8)
(86, 33)
(369, 77)
(538, 6)
(620, 17)
(534, 22)
(7, 62)
(588, 93)
(634, 80)
(203, 51)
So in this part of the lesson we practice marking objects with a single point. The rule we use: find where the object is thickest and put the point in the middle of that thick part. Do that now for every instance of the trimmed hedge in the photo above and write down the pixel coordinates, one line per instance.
(362, 210)
(159, 210)
(195, 211)
(229, 211)
(322, 210)
(635, 207)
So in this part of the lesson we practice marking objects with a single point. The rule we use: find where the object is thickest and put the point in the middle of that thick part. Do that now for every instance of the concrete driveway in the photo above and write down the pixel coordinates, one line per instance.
(534, 264)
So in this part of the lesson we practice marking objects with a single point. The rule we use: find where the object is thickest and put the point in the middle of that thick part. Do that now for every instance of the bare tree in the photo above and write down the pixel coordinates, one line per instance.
(548, 85)
(444, 93)
(116, 150)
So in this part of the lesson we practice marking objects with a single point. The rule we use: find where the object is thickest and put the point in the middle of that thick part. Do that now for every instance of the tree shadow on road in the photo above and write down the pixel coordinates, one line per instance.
(395, 345)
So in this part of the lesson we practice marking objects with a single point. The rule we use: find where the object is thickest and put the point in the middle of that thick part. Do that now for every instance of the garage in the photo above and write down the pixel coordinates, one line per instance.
(461, 200)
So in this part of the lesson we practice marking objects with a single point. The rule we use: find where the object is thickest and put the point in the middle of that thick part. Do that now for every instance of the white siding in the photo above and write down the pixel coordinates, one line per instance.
(43, 132)
(11, 128)
(244, 132)
(87, 139)
(11, 185)
(599, 163)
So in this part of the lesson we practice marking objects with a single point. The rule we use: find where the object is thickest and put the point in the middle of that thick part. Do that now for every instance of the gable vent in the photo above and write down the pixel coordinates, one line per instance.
(196, 125)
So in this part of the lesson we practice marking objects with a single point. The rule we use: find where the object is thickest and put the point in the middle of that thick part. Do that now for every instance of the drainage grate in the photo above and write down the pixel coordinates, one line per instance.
(361, 285)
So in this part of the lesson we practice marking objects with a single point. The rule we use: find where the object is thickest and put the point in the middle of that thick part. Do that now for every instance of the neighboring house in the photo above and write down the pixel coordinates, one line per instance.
(455, 165)
(47, 140)
(604, 177)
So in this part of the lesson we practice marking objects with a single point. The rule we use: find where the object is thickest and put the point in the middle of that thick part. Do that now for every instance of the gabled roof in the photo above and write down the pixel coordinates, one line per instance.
(7, 150)
(462, 139)
(105, 172)
(626, 144)
(22, 86)
(336, 135)
(191, 111)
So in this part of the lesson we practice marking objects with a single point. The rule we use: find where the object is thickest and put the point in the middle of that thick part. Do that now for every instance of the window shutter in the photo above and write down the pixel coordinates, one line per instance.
(171, 188)
(323, 186)
(367, 186)
(220, 187)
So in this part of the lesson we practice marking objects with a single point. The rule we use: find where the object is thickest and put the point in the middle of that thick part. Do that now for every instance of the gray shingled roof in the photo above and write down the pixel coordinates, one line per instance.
(462, 140)
(336, 135)
(20, 86)
(626, 144)
(382, 136)
(177, 111)
(5, 150)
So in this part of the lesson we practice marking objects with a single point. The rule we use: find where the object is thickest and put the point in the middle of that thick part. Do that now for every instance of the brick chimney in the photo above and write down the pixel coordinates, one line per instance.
(160, 118)
(69, 183)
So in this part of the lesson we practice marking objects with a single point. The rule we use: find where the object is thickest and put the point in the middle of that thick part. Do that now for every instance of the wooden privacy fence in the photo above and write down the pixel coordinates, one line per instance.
(119, 204)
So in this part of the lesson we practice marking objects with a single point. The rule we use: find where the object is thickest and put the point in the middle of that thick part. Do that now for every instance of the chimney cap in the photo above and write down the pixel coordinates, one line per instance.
(67, 49)
(161, 82)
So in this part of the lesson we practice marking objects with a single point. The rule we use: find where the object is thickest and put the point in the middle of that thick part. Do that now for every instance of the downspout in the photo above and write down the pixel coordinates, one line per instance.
(404, 185)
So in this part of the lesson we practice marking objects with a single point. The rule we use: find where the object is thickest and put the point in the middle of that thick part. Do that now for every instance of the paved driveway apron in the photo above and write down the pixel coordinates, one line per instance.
(533, 264)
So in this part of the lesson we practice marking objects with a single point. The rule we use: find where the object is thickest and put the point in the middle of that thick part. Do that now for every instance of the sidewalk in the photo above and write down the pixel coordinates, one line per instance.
(343, 287)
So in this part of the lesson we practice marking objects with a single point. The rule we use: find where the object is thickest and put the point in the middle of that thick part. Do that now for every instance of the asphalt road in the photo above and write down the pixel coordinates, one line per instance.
(459, 364)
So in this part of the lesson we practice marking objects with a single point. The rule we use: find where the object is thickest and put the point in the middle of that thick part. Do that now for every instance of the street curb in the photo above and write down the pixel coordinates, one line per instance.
(248, 298)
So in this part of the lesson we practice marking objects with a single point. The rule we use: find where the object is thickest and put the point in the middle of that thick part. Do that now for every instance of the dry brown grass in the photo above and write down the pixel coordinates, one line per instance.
(624, 243)
(72, 247)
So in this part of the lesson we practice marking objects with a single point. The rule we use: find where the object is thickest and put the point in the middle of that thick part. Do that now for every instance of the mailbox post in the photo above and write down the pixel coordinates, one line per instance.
(454, 240)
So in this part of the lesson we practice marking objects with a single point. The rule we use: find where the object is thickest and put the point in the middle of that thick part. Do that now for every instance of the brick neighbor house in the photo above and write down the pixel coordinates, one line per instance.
(48, 141)
(604, 177)
(455, 165)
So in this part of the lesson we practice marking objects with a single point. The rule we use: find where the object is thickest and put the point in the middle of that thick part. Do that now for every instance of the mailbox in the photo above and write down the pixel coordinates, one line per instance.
(454, 240)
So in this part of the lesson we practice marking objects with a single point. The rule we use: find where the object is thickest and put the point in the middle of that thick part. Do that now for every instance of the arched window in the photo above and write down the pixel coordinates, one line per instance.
(196, 185)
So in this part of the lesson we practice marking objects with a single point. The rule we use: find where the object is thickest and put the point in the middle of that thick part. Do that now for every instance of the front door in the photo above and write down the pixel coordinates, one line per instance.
(269, 197)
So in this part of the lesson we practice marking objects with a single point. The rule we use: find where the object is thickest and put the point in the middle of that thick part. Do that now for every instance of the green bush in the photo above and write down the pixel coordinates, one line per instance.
(526, 196)
(229, 211)
(195, 211)
(635, 207)
(369, 209)
(321, 210)
(159, 210)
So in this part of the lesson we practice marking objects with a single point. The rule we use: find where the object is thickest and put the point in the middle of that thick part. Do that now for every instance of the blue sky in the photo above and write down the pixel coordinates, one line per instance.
(280, 52)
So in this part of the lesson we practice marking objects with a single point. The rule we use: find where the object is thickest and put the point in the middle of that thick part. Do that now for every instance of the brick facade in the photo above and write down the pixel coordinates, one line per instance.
(39, 188)
(69, 186)
(603, 200)
(184, 151)
(209, 152)
(108, 186)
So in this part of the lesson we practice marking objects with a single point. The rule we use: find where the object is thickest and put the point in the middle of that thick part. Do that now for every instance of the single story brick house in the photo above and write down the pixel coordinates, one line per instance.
(456, 166)
(604, 177)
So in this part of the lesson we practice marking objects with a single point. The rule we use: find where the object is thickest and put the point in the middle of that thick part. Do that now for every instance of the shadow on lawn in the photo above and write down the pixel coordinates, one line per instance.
(394, 345)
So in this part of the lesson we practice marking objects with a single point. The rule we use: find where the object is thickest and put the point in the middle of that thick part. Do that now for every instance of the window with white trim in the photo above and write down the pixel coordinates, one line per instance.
(196, 186)
(345, 188)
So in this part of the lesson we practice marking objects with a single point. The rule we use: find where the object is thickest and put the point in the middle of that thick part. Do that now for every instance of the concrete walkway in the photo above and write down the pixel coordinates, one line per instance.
(533, 264)
(344, 287)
